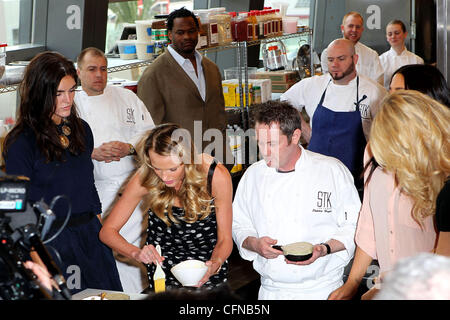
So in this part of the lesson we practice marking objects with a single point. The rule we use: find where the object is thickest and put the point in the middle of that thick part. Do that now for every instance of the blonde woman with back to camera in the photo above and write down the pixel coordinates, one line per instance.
(188, 197)
(407, 163)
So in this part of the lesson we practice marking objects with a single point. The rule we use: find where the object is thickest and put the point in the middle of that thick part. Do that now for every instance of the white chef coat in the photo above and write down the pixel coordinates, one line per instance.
(118, 115)
(188, 67)
(368, 63)
(315, 203)
(391, 61)
(341, 98)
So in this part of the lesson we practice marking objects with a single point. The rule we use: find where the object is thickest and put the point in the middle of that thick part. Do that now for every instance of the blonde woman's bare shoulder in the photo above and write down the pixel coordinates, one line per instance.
(206, 163)
(207, 159)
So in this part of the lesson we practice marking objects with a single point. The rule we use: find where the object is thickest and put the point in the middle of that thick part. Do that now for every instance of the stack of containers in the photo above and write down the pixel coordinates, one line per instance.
(279, 21)
(213, 30)
(239, 26)
(223, 26)
(218, 27)
(127, 49)
(160, 36)
(145, 47)
(290, 24)
(202, 33)
(253, 29)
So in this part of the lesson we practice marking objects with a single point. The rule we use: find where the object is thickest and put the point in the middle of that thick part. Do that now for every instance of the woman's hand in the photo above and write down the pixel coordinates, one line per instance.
(346, 292)
(148, 255)
(42, 274)
(213, 268)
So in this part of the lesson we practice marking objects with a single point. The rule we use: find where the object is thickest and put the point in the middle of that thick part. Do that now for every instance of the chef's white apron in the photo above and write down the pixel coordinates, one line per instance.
(274, 292)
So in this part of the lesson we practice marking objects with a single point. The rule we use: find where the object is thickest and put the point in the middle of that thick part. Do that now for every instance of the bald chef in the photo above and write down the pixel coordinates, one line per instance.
(341, 105)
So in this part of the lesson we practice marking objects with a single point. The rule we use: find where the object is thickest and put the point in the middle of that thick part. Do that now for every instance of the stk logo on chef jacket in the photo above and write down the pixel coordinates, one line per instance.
(130, 115)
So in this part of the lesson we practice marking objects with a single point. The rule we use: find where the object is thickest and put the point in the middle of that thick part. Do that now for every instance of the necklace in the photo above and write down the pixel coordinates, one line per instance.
(65, 130)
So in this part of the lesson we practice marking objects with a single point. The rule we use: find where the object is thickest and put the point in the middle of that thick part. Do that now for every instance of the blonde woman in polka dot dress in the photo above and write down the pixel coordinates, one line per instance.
(189, 197)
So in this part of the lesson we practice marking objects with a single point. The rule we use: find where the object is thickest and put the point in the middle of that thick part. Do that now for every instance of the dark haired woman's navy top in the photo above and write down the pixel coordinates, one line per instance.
(84, 260)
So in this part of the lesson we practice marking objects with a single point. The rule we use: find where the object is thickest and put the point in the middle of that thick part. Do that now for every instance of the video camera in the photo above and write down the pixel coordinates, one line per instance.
(22, 227)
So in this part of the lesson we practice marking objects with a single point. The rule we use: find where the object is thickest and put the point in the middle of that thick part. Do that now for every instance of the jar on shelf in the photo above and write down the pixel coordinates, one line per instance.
(213, 29)
(223, 27)
(241, 27)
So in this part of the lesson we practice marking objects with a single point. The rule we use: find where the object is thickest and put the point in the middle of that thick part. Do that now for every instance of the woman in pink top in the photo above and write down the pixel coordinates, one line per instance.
(407, 163)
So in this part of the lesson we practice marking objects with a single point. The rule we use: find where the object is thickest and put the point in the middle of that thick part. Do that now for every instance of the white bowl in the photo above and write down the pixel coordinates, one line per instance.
(189, 272)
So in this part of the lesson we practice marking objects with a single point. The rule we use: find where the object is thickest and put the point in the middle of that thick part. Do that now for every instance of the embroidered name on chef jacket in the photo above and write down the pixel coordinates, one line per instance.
(323, 203)
(364, 110)
(130, 116)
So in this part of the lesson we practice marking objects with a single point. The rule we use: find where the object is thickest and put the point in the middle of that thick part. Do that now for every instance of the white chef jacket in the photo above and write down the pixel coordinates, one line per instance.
(188, 67)
(315, 203)
(118, 115)
(391, 61)
(340, 98)
(368, 63)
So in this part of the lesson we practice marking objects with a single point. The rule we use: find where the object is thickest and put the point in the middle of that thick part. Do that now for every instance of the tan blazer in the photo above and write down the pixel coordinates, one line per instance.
(171, 96)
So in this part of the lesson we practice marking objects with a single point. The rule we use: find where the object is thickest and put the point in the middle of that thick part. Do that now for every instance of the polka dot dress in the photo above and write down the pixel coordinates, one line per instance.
(181, 242)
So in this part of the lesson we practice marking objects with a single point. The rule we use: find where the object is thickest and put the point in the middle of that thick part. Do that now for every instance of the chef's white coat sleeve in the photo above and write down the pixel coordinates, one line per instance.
(144, 121)
(348, 208)
(378, 71)
(294, 95)
(242, 222)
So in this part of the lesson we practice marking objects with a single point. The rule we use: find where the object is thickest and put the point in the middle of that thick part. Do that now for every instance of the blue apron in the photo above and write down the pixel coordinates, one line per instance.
(339, 134)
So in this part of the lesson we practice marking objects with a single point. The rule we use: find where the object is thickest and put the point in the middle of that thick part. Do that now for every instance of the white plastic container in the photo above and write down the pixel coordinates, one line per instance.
(144, 30)
(127, 49)
(290, 25)
(145, 50)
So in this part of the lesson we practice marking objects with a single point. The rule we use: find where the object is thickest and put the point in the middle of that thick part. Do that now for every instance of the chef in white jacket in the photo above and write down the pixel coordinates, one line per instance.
(369, 63)
(341, 106)
(294, 195)
(118, 119)
(397, 56)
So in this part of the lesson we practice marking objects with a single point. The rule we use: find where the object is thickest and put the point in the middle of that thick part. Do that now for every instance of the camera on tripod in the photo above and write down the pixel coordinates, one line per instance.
(22, 227)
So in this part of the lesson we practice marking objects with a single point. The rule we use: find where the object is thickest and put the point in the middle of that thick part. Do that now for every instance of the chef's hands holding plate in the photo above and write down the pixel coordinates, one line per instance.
(319, 250)
(262, 246)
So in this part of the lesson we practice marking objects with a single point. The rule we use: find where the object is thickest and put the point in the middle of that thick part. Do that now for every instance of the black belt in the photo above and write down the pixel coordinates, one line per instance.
(74, 220)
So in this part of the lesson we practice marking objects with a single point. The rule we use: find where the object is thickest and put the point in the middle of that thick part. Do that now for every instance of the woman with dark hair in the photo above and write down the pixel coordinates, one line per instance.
(424, 78)
(397, 55)
(52, 146)
(189, 201)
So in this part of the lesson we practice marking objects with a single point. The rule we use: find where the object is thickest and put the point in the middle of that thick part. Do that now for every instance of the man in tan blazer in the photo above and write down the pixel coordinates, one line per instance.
(183, 87)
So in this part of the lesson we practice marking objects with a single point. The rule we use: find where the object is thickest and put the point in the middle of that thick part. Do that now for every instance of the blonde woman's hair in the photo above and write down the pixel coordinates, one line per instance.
(171, 140)
(410, 138)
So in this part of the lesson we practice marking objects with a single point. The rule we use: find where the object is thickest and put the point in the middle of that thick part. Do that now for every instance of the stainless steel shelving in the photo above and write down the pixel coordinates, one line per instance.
(241, 57)
(242, 64)
(8, 88)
